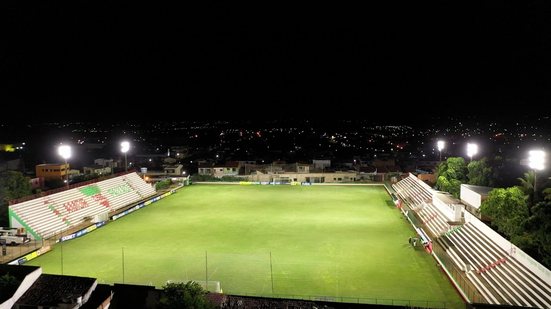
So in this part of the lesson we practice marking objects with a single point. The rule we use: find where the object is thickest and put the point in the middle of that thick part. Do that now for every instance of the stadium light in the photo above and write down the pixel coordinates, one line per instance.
(472, 149)
(65, 152)
(536, 161)
(440, 144)
(125, 146)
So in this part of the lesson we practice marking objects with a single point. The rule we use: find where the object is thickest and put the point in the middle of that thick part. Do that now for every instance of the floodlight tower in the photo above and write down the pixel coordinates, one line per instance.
(536, 161)
(440, 144)
(125, 146)
(65, 152)
(472, 149)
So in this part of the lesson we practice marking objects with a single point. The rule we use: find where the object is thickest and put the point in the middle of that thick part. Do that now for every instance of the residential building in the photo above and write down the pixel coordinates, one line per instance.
(173, 170)
(52, 171)
(226, 169)
(97, 169)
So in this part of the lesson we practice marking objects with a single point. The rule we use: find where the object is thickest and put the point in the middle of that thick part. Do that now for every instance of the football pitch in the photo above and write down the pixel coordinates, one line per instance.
(335, 242)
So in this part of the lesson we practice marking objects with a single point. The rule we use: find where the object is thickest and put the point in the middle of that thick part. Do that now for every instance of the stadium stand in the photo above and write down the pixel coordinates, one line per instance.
(499, 276)
(45, 216)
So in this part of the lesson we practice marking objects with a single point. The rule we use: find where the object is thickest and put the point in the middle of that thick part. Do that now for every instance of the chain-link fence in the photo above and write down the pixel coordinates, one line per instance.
(253, 274)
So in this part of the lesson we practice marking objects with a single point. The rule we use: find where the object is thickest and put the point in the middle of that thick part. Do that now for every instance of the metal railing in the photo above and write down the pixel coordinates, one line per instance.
(362, 300)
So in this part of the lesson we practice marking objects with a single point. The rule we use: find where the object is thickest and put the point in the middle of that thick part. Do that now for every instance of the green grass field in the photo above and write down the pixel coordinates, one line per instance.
(334, 241)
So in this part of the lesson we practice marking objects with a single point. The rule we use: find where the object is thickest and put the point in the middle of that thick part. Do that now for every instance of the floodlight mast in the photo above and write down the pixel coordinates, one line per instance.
(440, 144)
(472, 149)
(65, 152)
(125, 146)
(536, 161)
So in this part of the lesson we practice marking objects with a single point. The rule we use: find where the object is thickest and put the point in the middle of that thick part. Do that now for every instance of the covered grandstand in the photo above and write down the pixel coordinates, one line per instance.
(498, 271)
(49, 215)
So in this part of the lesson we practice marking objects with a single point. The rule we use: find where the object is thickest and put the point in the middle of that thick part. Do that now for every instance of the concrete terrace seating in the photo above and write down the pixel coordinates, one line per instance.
(433, 219)
(413, 191)
(419, 197)
(60, 211)
(499, 277)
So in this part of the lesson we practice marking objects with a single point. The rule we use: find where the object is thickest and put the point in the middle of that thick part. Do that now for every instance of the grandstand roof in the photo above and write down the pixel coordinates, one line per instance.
(478, 189)
(447, 198)
(51, 290)
(101, 293)
(19, 272)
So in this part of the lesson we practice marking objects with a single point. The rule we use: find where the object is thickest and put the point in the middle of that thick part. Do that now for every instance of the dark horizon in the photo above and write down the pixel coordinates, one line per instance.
(405, 63)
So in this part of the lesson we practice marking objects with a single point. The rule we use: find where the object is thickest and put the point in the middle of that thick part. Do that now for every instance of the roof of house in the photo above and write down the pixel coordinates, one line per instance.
(228, 164)
(50, 164)
(96, 167)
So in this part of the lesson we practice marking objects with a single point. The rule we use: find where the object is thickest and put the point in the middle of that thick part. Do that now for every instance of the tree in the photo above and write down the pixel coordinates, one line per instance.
(547, 194)
(13, 185)
(451, 174)
(507, 209)
(480, 173)
(183, 295)
(527, 186)
(527, 182)
(163, 184)
(538, 228)
(8, 284)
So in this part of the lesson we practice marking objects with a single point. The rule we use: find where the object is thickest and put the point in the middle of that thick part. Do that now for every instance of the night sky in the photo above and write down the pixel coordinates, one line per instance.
(86, 59)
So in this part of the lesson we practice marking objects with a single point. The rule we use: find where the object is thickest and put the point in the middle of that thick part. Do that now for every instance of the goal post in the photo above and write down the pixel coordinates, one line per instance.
(211, 286)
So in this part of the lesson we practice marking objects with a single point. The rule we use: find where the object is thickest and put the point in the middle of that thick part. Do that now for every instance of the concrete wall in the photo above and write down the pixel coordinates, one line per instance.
(470, 197)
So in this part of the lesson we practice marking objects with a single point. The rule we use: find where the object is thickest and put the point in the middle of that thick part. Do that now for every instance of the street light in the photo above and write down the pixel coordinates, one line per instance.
(536, 161)
(440, 144)
(472, 149)
(125, 146)
(65, 152)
